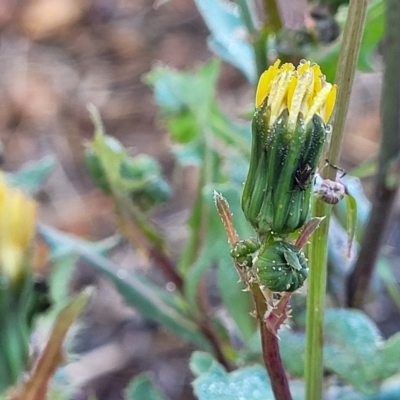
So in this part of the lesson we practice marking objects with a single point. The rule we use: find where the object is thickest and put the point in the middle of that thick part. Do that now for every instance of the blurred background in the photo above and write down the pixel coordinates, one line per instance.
(56, 57)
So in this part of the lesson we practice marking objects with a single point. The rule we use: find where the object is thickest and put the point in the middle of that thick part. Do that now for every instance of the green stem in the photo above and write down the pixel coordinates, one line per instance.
(257, 38)
(347, 63)
(319, 242)
(273, 24)
(317, 259)
(260, 51)
(384, 192)
(247, 13)
(274, 18)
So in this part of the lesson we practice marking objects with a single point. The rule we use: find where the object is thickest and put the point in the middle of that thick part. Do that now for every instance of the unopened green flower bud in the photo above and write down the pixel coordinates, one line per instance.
(281, 267)
(93, 164)
(242, 252)
(289, 132)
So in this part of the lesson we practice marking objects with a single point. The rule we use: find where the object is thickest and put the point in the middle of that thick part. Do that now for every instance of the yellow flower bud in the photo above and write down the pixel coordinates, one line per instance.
(17, 227)
(289, 132)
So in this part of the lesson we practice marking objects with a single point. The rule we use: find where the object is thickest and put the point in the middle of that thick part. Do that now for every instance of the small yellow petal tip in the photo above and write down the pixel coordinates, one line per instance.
(17, 228)
(300, 90)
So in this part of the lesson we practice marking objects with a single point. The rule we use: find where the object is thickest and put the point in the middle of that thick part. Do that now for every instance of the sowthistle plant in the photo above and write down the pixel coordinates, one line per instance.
(293, 107)
(286, 219)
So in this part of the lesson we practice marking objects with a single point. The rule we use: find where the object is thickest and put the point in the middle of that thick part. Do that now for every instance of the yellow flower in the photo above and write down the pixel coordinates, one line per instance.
(302, 90)
(17, 228)
(293, 106)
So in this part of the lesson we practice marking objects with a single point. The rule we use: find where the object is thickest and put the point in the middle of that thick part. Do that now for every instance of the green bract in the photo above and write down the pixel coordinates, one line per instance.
(281, 267)
(277, 193)
(242, 252)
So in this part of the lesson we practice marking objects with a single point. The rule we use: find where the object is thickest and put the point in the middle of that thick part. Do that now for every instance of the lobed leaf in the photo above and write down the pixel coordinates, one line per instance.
(251, 383)
(353, 349)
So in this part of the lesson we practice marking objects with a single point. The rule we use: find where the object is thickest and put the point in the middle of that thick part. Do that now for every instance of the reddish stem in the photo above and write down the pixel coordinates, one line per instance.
(270, 350)
(269, 339)
(167, 267)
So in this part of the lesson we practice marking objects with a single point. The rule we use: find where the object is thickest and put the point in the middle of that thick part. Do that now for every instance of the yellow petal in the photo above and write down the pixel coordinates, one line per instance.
(317, 79)
(303, 66)
(299, 101)
(264, 83)
(17, 228)
(330, 103)
(291, 88)
(319, 101)
(277, 99)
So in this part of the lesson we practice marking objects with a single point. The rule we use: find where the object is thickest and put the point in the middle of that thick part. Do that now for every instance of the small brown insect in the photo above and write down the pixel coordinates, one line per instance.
(303, 177)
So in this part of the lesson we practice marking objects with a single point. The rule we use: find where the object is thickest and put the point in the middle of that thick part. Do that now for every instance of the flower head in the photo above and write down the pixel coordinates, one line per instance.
(17, 227)
(293, 106)
(302, 90)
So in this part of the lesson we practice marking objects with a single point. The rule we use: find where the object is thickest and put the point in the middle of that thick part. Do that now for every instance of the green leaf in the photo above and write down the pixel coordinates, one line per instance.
(215, 252)
(339, 264)
(32, 174)
(214, 247)
(35, 387)
(251, 383)
(189, 109)
(390, 354)
(200, 362)
(177, 91)
(108, 150)
(292, 349)
(228, 35)
(231, 133)
(351, 348)
(351, 221)
(187, 101)
(237, 302)
(138, 292)
(61, 273)
(214, 383)
(355, 189)
(184, 127)
(142, 388)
